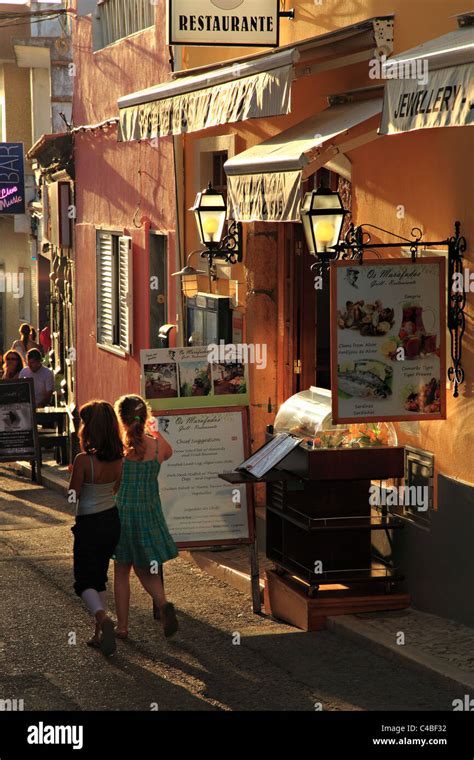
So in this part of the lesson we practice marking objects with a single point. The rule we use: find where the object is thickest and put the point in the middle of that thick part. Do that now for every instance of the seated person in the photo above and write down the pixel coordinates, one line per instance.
(12, 365)
(43, 378)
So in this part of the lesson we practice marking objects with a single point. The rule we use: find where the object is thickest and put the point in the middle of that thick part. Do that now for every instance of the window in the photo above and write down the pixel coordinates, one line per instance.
(115, 19)
(114, 291)
(219, 177)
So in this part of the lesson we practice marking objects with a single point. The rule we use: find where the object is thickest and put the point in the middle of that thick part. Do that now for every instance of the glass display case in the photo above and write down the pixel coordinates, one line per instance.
(308, 415)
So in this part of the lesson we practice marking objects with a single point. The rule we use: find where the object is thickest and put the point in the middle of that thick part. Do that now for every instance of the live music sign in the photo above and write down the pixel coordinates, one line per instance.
(230, 23)
(12, 179)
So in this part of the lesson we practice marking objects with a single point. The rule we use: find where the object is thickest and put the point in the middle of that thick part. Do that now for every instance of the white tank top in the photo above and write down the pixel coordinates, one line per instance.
(95, 497)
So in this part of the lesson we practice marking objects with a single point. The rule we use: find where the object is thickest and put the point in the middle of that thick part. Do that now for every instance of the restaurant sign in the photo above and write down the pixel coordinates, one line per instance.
(388, 328)
(12, 179)
(230, 23)
(447, 100)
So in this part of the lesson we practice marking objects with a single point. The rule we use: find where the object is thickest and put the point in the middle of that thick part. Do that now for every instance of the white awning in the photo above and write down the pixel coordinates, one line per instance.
(431, 85)
(264, 182)
(254, 87)
(225, 95)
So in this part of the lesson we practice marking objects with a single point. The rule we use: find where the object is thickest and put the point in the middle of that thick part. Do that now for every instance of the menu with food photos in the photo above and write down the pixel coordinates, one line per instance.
(388, 328)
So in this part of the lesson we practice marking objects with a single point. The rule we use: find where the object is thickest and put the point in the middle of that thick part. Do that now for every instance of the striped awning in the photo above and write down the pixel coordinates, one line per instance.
(233, 93)
(264, 182)
(257, 86)
(431, 85)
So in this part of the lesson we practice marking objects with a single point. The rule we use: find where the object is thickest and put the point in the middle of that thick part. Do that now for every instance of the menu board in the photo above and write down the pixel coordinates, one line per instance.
(18, 435)
(201, 377)
(388, 328)
(200, 508)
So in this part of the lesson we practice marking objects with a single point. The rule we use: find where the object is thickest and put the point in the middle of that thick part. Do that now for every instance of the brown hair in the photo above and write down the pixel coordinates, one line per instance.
(99, 431)
(19, 362)
(133, 413)
(34, 353)
(25, 331)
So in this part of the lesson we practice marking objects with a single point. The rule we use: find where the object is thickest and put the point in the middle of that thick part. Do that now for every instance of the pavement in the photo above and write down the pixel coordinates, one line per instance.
(427, 644)
(223, 658)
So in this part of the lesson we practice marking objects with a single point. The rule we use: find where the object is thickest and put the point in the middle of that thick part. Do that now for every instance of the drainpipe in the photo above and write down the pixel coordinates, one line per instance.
(176, 61)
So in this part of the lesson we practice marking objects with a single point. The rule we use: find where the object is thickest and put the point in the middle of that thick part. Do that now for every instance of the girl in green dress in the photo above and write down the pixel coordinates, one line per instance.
(145, 541)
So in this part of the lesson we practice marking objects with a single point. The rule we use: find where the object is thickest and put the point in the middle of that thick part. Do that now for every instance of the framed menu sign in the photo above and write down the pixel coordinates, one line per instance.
(195, 378)
(200, 508)
(18, 430)
(388, 328)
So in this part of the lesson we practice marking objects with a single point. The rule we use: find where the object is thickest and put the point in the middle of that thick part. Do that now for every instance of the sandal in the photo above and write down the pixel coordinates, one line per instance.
(107, 642)
(93, 642)
(169, 619)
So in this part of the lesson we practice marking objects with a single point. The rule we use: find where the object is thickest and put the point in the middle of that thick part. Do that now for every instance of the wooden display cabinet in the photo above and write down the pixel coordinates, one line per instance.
(319, 526)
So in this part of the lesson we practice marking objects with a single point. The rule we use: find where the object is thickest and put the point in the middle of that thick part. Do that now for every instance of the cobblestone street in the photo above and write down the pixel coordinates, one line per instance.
(43, 629)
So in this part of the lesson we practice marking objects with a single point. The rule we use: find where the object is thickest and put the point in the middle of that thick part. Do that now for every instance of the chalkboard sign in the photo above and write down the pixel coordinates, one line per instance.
(12, 179)
(201, 509)
(18, 430)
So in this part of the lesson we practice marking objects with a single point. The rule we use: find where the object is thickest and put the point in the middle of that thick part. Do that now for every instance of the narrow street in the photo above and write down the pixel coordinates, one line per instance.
(45, 662)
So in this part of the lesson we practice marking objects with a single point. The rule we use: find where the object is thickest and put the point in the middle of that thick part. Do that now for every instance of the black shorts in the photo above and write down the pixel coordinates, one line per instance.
(95, 539)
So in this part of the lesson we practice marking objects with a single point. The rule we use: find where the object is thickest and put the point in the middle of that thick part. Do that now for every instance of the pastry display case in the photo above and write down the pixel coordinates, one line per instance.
(319, 526)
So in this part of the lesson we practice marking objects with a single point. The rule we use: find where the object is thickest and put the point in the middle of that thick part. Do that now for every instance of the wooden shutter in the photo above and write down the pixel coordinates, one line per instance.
(106, 289)
(125, 294)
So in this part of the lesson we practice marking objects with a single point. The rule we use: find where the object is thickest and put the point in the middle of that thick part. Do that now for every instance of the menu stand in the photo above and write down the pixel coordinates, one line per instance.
(241, 477)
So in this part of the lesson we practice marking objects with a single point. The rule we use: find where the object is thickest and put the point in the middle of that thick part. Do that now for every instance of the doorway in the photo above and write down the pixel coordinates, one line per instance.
(304, 320)
(159, 286)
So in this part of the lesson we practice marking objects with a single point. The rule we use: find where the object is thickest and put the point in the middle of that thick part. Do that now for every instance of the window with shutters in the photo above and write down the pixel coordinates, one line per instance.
(114, 291)
(115, 19)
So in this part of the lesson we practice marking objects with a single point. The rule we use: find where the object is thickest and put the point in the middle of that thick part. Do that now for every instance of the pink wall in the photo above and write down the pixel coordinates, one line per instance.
(112, 178)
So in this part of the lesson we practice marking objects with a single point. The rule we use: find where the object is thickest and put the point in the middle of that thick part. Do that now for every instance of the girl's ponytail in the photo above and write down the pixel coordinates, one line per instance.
(133, 413)
(25, 331)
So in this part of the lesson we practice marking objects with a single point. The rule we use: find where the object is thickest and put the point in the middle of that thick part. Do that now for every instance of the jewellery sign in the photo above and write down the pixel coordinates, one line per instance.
(445, 100)
(12, 179)
(388, 327)
(233, 23)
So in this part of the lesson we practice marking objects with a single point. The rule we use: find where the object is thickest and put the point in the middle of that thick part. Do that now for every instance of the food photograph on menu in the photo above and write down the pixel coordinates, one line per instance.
(388, 340)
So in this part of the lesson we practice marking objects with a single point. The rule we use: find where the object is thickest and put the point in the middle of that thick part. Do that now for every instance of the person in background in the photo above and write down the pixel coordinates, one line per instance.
(145, 541)
(45, 339)
(43, 378)
(25, 342)
(12, 365)
(95, 479)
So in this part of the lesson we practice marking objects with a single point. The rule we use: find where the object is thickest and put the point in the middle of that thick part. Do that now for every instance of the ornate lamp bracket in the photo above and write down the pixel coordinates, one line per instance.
(456, 304)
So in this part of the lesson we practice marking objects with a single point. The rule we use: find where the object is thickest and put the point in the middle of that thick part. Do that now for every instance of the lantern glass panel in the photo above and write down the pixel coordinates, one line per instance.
(210, 213)
(190, 285)
(323, 216)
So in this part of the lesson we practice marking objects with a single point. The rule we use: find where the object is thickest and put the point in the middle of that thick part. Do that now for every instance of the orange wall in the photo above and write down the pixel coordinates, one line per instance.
(425, 171)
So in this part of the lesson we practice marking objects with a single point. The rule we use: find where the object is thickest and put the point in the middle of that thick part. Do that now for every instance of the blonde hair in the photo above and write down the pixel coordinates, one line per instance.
(133, 413)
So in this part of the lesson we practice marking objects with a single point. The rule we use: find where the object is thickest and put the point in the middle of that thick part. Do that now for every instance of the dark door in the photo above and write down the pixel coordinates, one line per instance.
(159, 287)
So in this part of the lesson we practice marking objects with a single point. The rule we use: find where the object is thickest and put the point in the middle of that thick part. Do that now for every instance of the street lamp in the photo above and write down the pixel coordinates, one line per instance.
(322, 214)
(210, 213)
(189, 275)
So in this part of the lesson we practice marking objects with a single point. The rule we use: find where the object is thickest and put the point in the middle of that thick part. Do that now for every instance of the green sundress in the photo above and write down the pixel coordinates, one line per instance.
(144, 535)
